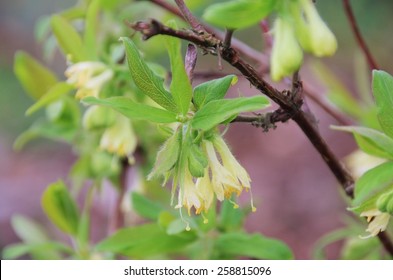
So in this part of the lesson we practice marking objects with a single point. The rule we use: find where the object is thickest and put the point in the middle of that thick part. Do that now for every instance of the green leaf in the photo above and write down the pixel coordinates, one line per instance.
(361, 249)
(144, 241)
(167, 157)
(231, 218)
(217, 111)
(68, 39)
(212, 90)
(55, 131)
(145, 207)
(35, 78)
(61, 208)
(89, 39)
(239, 13)
(370, 141)
(180, 86)
(28, 230)
(133, 110)
(197, 161)
(38, 251)
(254, 246)
(373, 182)
(383, 93)
(145, 79)
(52, 95)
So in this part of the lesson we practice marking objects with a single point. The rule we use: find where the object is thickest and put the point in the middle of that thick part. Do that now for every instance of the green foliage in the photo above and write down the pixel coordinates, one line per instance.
(212, 90)
(218, 111)
(35, 78)
(383, 93)
(238, 13)
(68, 38)
(252, 245)
(145, 79)
(371, 141)
(133, 110)
(373, 182)
(61, 208)
(145, 207)
(180, 86)
(145, 241)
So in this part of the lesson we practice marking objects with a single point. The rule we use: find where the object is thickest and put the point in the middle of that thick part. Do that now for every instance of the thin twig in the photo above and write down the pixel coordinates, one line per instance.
(355, 29)
(266, 33)
(251, 54)
(189, 17)
(228, 38)
(117, 220)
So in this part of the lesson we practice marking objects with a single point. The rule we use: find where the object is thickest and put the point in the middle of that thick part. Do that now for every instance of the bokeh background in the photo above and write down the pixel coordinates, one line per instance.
(298, 198)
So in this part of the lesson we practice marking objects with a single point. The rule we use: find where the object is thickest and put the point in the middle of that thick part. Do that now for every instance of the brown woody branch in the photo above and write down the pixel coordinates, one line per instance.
(359, 38)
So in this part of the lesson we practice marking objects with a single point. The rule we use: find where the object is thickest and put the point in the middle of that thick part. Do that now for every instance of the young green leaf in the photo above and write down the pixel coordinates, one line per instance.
(254, 246)
(68, 39)
(197, 161)
(212, 90)
(57, 131)
(61, 208)
(145, 207)
(383, 93)
(144, 241)
(28, 230)
(370, 141)
(89, 39)
(35, 78)
(217, 111)
(145, 79)
(180, 86)
(373, 182)
(239, 13)
(38, 251)
(167, 156)
(53, 94)
(133, 110)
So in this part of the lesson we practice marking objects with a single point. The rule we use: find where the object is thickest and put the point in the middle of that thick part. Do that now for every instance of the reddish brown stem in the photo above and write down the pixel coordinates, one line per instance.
(359, 38)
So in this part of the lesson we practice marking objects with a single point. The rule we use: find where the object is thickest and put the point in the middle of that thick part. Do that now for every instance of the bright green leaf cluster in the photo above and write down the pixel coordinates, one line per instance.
(373, 197)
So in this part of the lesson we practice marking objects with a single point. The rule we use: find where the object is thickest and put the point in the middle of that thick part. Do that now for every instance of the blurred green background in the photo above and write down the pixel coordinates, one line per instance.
(303, 219)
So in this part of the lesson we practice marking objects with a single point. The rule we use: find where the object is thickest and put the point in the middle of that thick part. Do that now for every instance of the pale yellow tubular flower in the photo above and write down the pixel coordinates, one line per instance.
(287, 55)
(189, 195)
(322, 40)
(358, 162)
(224, 183)
(230, 162)
(88, 77)
(205, 190)
(379, 222)
(120, 138)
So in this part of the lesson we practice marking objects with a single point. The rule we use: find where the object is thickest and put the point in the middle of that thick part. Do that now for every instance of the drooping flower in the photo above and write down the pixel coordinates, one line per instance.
(223, 181)
(189, 195)
(287, 56)
(230, 162)
(88, 77)
(378, 221)
(119, 138)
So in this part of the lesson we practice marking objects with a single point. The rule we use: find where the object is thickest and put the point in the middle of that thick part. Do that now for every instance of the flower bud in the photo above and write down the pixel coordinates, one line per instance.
(313, 33)
(287, 56)
(97, 117)
(385, 203)
(119, 138)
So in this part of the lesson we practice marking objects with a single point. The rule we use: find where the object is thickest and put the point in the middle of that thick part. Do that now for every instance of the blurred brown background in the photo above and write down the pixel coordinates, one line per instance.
(297, 197)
